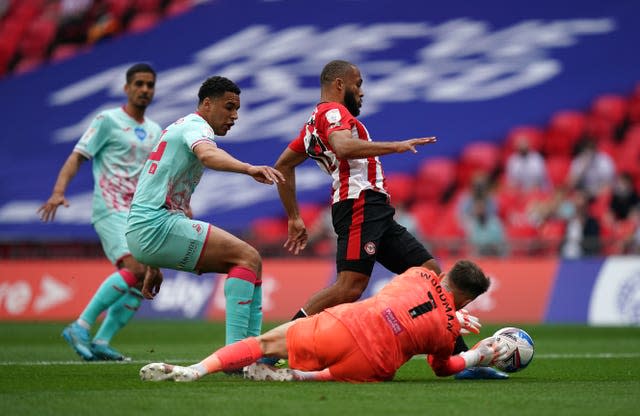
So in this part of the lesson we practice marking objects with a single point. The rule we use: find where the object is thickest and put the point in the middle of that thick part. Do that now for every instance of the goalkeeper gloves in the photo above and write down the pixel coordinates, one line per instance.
(468, 323)
(485, 353)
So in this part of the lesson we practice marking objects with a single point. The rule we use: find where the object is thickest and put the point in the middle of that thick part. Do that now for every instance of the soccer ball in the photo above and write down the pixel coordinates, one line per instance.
(520, 347)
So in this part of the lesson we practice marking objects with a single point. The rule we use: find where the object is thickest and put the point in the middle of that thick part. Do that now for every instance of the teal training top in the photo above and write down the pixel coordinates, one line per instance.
(170, 176)
(119, 146)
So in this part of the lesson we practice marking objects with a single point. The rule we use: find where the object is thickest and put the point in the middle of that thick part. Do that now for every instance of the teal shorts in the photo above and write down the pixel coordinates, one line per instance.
(172, 241)
(111, 230)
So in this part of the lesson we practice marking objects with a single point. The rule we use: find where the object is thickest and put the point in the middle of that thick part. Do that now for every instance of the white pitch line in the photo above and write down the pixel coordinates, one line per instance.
(183, 360)
(588, 355)
(604, 355)
(79, 362)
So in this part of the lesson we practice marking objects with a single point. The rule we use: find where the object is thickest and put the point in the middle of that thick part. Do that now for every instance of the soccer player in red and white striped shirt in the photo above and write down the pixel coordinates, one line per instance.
(361, 213)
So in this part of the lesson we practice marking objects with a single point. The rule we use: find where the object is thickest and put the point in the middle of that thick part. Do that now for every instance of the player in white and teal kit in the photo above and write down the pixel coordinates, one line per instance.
(159, 231)
(118, 141)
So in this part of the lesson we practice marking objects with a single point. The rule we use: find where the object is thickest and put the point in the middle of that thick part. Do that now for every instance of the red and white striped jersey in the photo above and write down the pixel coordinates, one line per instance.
(350, 176)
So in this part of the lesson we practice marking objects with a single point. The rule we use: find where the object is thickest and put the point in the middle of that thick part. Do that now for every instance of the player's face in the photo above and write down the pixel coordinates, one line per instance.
(353, 91)
(141, 89)
(222, 112)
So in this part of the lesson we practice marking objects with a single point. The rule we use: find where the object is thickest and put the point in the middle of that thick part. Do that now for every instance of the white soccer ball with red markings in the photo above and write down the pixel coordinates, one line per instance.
(520, 346)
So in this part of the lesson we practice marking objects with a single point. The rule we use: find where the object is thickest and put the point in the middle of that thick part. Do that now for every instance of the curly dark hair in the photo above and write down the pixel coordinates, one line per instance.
(216, 86)
(141, 67)
(469, 278)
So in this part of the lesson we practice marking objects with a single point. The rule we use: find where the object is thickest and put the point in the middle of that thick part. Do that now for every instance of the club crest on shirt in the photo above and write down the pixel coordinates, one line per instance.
(140, 133)
(333, 116)
(370, 247)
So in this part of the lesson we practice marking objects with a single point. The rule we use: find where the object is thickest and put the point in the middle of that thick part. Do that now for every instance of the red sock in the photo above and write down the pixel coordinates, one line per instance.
(233, 356)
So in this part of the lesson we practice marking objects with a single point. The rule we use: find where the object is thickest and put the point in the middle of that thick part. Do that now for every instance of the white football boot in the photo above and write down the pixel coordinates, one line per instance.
(264, 372)
(162, 372)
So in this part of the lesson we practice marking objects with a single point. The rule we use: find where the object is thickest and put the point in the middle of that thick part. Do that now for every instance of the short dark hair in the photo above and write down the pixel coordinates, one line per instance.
(333, 70)
(216, 86)
(141, 67)
(469, 278)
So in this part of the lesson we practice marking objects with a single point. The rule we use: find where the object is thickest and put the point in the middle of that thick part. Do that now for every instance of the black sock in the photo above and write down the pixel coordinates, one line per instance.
(460, 346)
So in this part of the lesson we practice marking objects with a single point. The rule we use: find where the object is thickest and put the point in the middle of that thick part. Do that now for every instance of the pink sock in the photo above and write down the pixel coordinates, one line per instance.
(128, 277)
(233, 356)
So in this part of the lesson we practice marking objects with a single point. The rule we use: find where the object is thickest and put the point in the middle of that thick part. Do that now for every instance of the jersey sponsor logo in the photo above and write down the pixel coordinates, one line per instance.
(370, 248)
(187, 257)
(140, 133)
(392, 320)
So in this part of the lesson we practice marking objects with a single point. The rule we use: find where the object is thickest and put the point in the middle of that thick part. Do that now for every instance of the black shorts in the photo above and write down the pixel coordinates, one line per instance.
(368, 233)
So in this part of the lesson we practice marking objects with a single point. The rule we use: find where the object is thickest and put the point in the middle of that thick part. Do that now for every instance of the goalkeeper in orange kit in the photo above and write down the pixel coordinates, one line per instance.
(418, 312)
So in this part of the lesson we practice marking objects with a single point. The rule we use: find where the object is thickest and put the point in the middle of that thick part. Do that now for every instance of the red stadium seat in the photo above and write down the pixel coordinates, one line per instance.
(552, 233)
(426, 215)
(118, 8)
(143, 21)
(599, 128)
(533, 133)
(558, 169)
(435, 177)
(27, 65)
(478, 157)
(178, 7)
(148, 6)
(269, 230)
(627, 154)
(7, 53)
(401, 188)
(310, 213)
(631, 141)
(610, 107)
(565, 128)
(634, 109)
(446, 232)
(599, 207)
(38, 38)
(65, 51)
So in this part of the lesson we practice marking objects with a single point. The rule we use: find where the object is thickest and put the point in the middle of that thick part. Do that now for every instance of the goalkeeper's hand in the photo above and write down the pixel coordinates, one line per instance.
(485, 353)
(468, 323)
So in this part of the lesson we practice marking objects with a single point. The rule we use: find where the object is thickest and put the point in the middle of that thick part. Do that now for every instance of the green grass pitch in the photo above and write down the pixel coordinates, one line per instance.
(577, 370)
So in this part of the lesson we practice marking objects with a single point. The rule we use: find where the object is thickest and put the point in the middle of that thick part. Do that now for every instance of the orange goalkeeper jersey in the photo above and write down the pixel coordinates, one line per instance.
(413, 314)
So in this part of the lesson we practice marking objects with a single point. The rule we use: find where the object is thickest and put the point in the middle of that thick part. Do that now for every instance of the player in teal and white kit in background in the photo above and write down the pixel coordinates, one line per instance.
(119, 142)
(160, 233)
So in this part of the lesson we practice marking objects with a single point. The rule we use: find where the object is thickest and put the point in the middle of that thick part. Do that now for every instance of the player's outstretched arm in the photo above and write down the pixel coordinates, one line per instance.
(215, 158)
(298, 236)
(346, 147)
(68, 171)
(483, 354)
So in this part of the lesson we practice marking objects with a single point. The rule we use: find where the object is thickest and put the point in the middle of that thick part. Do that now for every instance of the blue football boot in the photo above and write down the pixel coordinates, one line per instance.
(78, 338)
(105, 353)
(481, 373)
